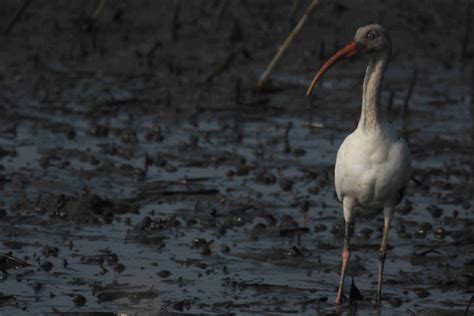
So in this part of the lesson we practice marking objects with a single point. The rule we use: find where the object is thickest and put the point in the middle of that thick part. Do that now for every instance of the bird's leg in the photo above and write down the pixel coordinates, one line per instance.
(346, 254)
(383, 251)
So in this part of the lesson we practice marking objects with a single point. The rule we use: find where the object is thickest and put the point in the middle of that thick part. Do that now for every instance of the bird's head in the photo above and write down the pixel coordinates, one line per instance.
(372, 39)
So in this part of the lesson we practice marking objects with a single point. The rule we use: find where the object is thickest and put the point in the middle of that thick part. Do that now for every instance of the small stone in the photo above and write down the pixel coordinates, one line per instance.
(112, 259)
(420, 233)
(421, 292)
(440, 233)
(239, 221)
(47, 266)
(198, 242)
(164, 274)
(205, 250)
(119, 268)
(79, 300)
(336, 229)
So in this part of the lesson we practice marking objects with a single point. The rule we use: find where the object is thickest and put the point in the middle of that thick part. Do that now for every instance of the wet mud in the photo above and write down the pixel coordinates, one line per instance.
(141, 173)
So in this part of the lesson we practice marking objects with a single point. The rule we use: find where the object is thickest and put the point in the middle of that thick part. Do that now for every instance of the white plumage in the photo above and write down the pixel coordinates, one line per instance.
(372, 169)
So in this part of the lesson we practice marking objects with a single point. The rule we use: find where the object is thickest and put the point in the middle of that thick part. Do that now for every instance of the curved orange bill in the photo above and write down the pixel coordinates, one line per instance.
(348, 51)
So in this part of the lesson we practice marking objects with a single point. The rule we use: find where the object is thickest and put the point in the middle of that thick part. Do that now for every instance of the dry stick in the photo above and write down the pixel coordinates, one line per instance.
(469, 305)
(417, 182)
(285, 44)
(410, 91)
(151, 52)
(17, 17)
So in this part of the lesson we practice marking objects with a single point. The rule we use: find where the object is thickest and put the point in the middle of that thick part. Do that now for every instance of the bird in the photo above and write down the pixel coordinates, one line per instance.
(373, 164)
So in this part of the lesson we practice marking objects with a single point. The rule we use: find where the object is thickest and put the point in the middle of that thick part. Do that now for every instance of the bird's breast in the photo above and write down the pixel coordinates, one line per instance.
(372, 169)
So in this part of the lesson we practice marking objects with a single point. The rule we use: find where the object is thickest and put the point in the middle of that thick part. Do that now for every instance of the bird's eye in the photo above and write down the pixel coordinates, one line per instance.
(371, 35)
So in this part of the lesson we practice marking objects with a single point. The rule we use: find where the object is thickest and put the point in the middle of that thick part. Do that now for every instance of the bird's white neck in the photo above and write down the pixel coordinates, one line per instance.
(372, 116)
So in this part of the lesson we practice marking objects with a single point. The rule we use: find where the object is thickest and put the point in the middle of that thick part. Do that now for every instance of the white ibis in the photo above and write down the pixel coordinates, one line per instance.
(373, 163)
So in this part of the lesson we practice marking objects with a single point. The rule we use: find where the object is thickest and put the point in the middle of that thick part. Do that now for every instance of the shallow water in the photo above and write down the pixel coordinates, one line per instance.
(262, 202)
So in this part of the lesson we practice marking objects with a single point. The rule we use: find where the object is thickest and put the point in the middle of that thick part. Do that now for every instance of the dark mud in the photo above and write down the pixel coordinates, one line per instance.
(140, 173)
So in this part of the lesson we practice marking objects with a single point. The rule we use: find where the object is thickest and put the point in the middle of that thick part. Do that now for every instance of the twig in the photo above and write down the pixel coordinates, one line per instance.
(417, 182)
(294, 9)
(224, 65)
(469, 305)
(411, 312)
(410, 91)
(57, 311)
(17, 16)
(424, 253)
(98, 9)
(151, 52)
(285, 44)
